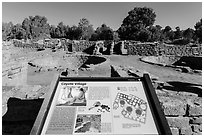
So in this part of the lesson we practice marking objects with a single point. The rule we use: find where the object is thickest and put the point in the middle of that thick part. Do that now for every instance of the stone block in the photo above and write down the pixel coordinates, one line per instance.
(196, 120)
(174, 131)
(194, 110)
(197, 128)
(197, 133)
(186, 131)
(172, 106)
(178, 122)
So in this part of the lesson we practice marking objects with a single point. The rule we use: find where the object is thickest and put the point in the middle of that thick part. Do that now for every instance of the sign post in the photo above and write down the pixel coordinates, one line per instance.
(80, 105)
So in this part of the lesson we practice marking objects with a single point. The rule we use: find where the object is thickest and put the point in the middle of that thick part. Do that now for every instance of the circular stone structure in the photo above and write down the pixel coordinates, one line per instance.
(72, 61)
(194, 62)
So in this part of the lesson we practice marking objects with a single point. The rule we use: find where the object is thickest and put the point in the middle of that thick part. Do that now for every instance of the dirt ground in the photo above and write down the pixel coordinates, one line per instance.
(164, 74)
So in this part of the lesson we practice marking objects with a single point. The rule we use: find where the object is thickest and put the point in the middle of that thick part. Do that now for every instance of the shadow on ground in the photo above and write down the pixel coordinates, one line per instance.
(184, 87)
(94, 60)
(20, 116)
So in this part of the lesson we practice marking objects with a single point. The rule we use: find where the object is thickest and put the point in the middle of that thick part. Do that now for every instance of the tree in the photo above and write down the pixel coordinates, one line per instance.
(52, 31)
(178, 33)
(167, 29)
(198, 31)
(188, 34)
(18, 32)
(144, 35)
(155, 33)
(26, 25)
(61, 30)
(137, 20)
(167, 33)
(36, 27)
(6, 30)
(74, 33)
(86, 27)
(104, 33)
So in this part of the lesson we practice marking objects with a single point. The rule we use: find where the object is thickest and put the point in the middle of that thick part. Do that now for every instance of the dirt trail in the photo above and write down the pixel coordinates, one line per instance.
(163, 73)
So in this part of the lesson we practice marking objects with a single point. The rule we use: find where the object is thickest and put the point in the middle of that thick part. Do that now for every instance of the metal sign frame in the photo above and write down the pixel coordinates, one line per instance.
(156, 110)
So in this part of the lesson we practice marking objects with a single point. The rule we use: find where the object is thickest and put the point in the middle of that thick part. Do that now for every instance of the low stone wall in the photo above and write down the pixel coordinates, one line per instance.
(183, 112)
(32, 45)
(132, 47)
(142, 49)
(179, 50)
(82, 45)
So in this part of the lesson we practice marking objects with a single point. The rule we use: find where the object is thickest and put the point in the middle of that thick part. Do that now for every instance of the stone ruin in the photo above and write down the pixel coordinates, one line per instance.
(99, 48)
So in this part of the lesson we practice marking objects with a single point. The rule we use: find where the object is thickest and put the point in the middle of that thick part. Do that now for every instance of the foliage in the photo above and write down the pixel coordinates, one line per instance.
(198, 31)
(138, 25)
(188, 34)
(35, 26)
(86, 27)
(18, 32)
(155, 34)
(177, 33)
(6, 30)
(74, 33)
(135, 25)
(104, 33)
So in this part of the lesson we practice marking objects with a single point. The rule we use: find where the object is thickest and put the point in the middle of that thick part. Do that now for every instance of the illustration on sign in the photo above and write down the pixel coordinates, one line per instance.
(101, 107)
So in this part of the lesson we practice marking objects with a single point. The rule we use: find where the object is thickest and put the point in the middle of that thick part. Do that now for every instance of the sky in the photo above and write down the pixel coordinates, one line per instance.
(182, 14)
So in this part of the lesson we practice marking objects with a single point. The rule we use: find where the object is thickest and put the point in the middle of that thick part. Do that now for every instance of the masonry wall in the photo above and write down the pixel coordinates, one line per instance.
(132, 47)
(82, 45)
(179, 50)
(142, 49)
(183, 112)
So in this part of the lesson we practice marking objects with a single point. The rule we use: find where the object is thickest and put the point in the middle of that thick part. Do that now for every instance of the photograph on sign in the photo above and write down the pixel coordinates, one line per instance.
(72, 96)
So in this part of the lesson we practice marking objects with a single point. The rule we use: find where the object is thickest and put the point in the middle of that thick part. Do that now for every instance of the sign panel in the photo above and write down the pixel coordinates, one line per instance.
(99, 107)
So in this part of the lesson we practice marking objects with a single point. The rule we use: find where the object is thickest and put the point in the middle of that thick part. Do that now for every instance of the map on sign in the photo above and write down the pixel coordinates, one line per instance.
(107, 107)
(133, 107)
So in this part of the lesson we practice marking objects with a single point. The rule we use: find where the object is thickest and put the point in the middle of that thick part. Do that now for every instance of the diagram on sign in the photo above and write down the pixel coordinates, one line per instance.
(131, 107)
(101, 107)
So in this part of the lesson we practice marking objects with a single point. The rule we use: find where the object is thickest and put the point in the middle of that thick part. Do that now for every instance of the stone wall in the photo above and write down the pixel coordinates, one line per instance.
(183, 112)
(179, 50)
(32, 45)
(82, 45)
(132, 47)
(142, 49)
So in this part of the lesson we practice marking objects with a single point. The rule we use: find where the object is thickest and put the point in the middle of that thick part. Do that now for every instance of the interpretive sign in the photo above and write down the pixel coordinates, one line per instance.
(101, 106)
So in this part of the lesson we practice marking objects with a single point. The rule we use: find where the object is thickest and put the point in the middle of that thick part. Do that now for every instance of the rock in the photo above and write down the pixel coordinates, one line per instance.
(196, 120)
(172, 106)
(158, 84)
(188, 94)
(160, 92)
(174, 131)
(197, 71)
(197, 128)
(197, 133)
(194, 110)
(186, 69)
(178, 69)
(118, 71)
(186, 130)
(178, 122)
